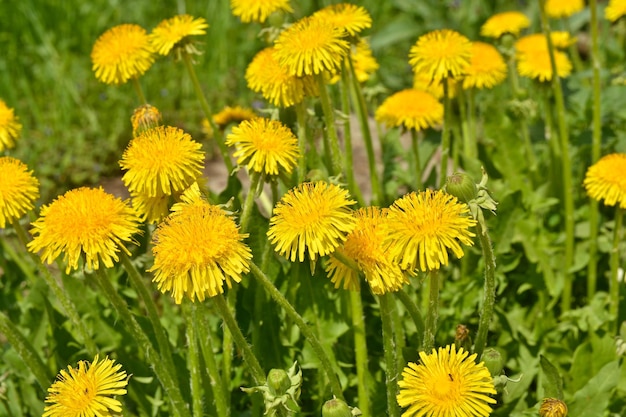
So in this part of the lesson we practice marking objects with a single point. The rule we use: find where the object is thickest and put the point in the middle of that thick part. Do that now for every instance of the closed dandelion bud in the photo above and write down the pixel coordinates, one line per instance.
(461, 186)
(553, 407)
(493, 361)
(278, 381)
(336, 408)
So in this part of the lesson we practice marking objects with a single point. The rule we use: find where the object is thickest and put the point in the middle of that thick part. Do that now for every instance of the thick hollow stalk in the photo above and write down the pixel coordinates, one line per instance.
(414, 312)
(391, 372)
(615, 284)
(347, 135)
(415, 145)
(331, 145)
(360, 349)
(433, 311)
(302, 140)
(193, 360)
(248, 203)
(139, 90)
(489, 295)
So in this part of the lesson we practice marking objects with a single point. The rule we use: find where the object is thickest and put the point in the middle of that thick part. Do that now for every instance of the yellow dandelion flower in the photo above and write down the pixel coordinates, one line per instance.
(538, 42)
(563, 8)
(606, 180)
(537, 65)
(413, 109)
(233, 115)
(264, 146)
(350, 17)
(265, 75)
(18, 190)
(424, 225)
(446, 383)
(311, 46)
(10, 127)
(145, 117)
(88, 390)
(615, 9)
(441, 54)
(258, 10)
(151, 209)
(421, 81)
(363, 61)
(121, 53)
(312, 218)
(364, 245)
(174, 32)
(85, 221)
(506, 22)
(197, 248)
(161, 161)
(552, 407)
(487, 68)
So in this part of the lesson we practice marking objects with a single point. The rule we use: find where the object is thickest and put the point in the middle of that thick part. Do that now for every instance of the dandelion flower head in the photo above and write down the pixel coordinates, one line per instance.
(552, 407)
(364, 245)
(121, 53)
(615, 9)
(537, 65)
(258, 10)
(441, 54)
(163, 160)
(311, 46)
(563, 8)
(85, 221)
(197, 248)
(506, 22)
(446, 383)
(313, 218)
(411, 108)
(88, 390)
(487, 68)
(233, 115)
(606, 180)
(176, 31)
(424, 226)
(363, 61)
(10, 127)
(264, 146)
(538, 42)
(350, 17)
(18, 190)
(145, 117)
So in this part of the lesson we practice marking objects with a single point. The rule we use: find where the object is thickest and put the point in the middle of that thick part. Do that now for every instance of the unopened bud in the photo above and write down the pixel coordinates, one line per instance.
(493, 361)
(336, 408)
(278, 381)
(462, 186)
(552, 407)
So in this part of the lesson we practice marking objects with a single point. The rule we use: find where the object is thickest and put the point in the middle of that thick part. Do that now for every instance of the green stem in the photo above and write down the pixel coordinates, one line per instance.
(573, 48)
(512, 75)
(415, 145)
(568, 190)
(469, 149)
(248, 203)
(489, 295)
(391, 372)
(398, 333)
(360, 349)
(168, 381)
(139, 90)
(248, 356)
(331, 144)
(614, 284)
(413, 311)
(278, 297)
(445, 134)
(302, 140)
(433, 311)
(193, 359)
(26, 351)
(207, 111)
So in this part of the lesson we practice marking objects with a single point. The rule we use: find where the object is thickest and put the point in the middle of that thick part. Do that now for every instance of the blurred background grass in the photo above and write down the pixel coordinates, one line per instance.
(75, 128)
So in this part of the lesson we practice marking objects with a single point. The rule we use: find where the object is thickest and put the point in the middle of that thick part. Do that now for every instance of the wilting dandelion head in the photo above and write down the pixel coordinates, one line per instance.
(264, 146)
(413, 109)
(18, 190)
(487, 67)
(615, 9)
(446, 383)
(197, 248)
(84, 221)
(258, 10)
(606, 180)
(10, 127)
(441, 54)
(145, 117)
(121, 53)
(552, 407)
(349, 17)
(88, 390)
(424, 226)
(563, 8)
(506, 22)
(176, 31)
(312, 218)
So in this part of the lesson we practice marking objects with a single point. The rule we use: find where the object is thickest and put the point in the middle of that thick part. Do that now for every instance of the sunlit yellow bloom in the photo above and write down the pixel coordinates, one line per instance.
(18, 190)
(175, 31)
(312, 218)
(88, 390)
(506, 22)
(552, 407)
(311, 46)
(364, 246)
(161, 161)
(145, 117)
(363, 61)
(537, 65)
(151, 209)
(84, 221)
(563, 8)
(265, 75)
(10, 127)
(350, 17)
(264, 146)
(615, 9)
(233, 115)
(424, 225)
(197, 248)
(121, 53)
(441, 54)
(606, 180)
(423, 82)
(258, 10)
(413, 109)
(487, 67)
(538, 42)
(446, 383)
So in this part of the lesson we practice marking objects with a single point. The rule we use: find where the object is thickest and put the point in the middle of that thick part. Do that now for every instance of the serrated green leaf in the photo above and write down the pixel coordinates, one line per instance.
(593, 399)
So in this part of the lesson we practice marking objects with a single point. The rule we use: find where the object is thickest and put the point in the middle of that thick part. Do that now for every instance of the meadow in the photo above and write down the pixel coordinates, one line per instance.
(384, 208)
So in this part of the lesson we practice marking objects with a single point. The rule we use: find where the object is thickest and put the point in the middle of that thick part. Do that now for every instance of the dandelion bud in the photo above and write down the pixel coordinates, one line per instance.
(553, 407)
(278, 381)
(144, 118)
(493, 361)
(461, 186)
(336, 408)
